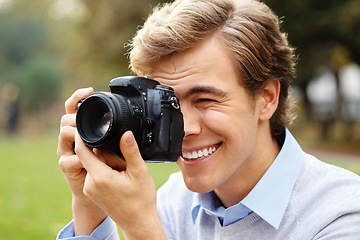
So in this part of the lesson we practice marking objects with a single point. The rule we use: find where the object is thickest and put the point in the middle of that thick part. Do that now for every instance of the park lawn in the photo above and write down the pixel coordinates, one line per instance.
(35, 202)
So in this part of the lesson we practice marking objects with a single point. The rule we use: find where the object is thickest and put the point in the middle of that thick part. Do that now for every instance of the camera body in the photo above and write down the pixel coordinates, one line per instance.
(150, 110)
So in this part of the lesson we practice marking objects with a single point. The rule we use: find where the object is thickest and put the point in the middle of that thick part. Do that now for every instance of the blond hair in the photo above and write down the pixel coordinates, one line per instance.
(249, 29)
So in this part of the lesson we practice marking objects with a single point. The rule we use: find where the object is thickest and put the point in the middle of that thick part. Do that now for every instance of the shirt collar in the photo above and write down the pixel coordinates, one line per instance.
(270, 196)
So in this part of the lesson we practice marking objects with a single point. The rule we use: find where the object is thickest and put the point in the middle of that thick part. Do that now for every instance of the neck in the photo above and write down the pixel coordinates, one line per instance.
(249, 175)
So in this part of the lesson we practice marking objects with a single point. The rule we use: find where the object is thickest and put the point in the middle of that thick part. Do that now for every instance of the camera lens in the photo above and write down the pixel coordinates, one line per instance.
(103, 124)
(102, 118)
(94, 118)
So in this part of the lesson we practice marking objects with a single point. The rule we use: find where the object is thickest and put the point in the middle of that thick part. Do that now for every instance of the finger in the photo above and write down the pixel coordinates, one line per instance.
(66, 141)
(72, 102)
(129, 148)
(111, 159)
(68, 120)
(70, 164)
(88, 158)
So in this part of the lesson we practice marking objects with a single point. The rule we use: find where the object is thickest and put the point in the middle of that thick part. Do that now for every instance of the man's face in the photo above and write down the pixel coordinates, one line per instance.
(220, 121)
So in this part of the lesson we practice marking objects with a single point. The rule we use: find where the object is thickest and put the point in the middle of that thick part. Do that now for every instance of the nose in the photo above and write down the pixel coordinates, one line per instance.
(192, 121)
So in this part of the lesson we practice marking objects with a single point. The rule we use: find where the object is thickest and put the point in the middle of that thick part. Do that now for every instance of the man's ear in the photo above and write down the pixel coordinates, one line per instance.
(270, 99)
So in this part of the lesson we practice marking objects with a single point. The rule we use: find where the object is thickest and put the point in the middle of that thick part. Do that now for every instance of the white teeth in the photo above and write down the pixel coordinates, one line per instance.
(187, 155)
(199, 153)
(205, 152)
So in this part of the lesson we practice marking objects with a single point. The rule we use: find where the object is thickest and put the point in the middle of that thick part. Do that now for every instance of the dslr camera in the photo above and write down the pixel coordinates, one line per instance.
(150, 110)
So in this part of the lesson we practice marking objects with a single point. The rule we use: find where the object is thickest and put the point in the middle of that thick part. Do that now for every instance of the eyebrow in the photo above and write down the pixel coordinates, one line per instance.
(206, 89)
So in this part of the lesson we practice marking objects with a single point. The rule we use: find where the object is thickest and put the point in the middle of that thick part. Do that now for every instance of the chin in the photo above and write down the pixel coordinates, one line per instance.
(195, 184)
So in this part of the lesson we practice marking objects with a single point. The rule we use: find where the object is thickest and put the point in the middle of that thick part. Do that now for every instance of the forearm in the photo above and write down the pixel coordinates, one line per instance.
(87, 216)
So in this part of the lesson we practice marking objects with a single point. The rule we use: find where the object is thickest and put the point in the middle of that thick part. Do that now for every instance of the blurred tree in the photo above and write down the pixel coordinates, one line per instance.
(102, 33)
(324, 33)
(27, 58)
(87, 38)
(318, 29)
(39, 82)
(20, 40)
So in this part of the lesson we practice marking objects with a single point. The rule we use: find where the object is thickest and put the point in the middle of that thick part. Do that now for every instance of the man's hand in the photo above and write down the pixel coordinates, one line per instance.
(87, 215)
(124, 189)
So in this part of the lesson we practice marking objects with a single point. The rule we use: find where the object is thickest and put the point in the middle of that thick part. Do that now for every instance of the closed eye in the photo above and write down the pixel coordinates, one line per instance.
(203, 100)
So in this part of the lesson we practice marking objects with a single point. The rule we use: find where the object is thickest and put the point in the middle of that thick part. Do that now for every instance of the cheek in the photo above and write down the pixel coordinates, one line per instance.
(236, 128)
(229, 121)
(216, 121)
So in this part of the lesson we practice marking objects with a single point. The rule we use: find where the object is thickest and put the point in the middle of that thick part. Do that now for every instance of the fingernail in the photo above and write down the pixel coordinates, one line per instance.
(129, 139)
(87, 90)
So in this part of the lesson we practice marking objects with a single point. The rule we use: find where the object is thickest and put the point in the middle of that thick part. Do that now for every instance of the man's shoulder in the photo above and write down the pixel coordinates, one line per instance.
(325, 199)
(314, 169)
(326, 185)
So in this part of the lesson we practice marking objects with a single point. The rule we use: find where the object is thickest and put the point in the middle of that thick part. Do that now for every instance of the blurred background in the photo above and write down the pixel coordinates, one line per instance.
(50, 48)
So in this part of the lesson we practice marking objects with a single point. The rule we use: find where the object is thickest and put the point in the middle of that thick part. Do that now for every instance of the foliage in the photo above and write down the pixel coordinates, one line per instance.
(103, 31)
(39, 83)
(324, 32)
(21, 39)
(87, 38)
(25, 58)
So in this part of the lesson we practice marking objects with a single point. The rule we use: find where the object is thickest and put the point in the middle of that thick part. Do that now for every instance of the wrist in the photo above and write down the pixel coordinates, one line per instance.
(147, 228)
(87, 215)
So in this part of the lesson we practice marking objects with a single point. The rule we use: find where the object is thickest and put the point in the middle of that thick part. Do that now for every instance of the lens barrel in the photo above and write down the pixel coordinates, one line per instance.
(102, 118)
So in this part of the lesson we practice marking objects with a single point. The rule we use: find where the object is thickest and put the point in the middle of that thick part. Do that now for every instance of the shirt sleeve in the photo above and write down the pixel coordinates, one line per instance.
(107, 230)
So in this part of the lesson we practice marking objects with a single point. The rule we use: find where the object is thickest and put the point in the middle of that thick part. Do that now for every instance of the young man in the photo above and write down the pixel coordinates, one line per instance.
(243, 176)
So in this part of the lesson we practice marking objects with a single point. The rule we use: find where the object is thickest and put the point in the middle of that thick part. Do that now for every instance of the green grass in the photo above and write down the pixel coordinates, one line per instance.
(34, 199)
(35, 202)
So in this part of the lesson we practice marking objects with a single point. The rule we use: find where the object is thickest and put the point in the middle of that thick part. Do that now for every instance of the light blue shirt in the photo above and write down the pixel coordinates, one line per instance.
(270, 196)
(103, 231)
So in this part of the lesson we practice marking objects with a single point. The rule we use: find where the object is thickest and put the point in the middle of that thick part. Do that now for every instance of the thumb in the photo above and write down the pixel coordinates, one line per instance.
(131, 153)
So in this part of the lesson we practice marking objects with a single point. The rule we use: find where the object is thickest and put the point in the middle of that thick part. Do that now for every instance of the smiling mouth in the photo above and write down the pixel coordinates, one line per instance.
(201, 153)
